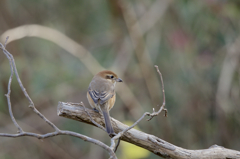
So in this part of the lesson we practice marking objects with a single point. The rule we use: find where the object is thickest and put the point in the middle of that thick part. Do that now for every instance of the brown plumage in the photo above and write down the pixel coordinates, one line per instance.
(101, 95)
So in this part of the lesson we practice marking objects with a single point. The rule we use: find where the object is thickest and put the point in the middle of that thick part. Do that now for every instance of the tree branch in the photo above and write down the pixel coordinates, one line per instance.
(128, 134)
(57, 131)
(74, 49)
(144, 140)
(145, 114)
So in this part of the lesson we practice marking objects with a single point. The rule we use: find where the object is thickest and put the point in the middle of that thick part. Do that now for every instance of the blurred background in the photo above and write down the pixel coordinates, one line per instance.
(195, 44)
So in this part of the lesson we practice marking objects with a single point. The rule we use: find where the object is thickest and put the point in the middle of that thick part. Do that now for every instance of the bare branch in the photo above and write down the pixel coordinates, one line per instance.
(40, 136)
(146, 113)
(98, 125)
(164, 101)
(14, 70)
(62, 132)
(75, 49)
(5, 44)
(9, 90)
(144, 140)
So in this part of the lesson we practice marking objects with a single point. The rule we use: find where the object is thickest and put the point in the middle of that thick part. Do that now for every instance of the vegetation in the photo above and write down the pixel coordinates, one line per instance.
(194, 43)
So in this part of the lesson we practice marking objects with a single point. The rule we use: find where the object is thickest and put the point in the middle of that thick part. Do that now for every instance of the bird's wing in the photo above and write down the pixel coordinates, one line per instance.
(94, 95)
(104, 96)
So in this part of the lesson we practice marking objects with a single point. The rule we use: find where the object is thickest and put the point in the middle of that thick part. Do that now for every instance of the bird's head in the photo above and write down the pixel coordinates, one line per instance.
(110, 76)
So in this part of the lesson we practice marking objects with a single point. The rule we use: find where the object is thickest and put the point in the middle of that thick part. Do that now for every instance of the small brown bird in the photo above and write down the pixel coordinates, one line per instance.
(101, 95)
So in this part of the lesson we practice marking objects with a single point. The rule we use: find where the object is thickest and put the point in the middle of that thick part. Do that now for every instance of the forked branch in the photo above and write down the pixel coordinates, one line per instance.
(126, 133)
(57, 131)
(144, 140)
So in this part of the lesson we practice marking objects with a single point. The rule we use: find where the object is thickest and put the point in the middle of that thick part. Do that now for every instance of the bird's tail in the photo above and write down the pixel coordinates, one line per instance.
(108, 124)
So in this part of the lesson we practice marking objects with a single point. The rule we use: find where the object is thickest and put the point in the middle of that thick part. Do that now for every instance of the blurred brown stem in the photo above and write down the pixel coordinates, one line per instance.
(74, 49)
(141, 50)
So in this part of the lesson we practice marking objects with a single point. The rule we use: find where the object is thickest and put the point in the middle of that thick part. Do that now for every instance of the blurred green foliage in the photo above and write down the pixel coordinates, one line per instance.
(189, 42)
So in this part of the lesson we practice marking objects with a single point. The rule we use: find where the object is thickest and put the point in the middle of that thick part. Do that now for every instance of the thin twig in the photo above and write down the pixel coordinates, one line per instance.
(164, 101)
(39, 136)
(5, 44)
(98, 125)
(116, 147)
(62, 132)
(147, 141)
(101, 127)
(73, 48)
(9, 91)
(13, 65)
(113, 145)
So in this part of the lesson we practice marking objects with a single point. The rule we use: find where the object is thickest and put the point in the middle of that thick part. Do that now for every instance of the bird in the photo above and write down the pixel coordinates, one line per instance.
(101, 95)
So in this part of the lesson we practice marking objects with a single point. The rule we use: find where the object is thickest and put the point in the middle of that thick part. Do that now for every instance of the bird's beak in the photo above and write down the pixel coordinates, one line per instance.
(119, 80)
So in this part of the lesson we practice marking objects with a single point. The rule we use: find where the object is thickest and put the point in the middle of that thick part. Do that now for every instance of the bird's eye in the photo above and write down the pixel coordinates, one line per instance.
(111, 76)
